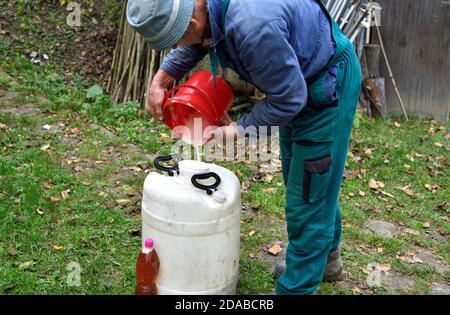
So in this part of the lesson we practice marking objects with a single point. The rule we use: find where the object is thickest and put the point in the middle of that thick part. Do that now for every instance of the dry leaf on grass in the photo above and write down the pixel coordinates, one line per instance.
(65, 194)
(275, 249)
(251, 233)
(122, 202)
(27, 265)
(269, 190)
(368, 152)
(45, 147)
(58, 248)
(55, 199)
(373, 184)
(411, 231)
(407, 189)
(245, 185)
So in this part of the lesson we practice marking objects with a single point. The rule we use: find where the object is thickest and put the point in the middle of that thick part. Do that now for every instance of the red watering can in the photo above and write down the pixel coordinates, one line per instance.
(198, 100)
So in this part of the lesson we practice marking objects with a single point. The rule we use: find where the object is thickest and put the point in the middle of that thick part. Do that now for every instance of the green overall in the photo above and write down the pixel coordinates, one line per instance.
(314, 147)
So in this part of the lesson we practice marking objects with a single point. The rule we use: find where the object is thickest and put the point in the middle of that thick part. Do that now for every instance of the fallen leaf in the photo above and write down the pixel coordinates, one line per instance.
(349, 174)
(432, 188)
(368, 152)
(45, 147)
(58, 248)
(373, 184)
(351, 194)
(46, 127)
(74, 131)
(387, 194)
(447, 136)
(397, 125)
(407, 189)
(275, 249)
(361, 193)
(122, 202)
(438, 145)
(384, 267)
(251, 255)
(267, 178)
(239, 173)
(110, 220)
(411, 231)
(27, 265)
(55, 199)
(380, 249)
(77, 169)
(3, 126)
(65, 194)
(85, 183)
(39, 211)
(245, 185)
(382, 199)
(417, 260)
(134, 168)
(426, 224)
(269, 190)
(251, 233)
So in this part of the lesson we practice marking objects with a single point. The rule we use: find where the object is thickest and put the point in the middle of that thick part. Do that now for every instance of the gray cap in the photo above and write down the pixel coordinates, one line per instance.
(162, 23)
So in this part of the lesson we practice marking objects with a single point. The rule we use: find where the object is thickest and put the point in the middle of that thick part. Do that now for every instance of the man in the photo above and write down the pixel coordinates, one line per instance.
(293, 52)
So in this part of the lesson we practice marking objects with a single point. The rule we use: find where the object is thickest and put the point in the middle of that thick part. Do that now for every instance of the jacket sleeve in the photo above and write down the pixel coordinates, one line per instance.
(274, 68)
(183, 59)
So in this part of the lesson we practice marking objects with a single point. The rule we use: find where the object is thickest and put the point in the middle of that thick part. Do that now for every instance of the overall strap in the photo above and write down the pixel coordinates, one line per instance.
(219, 55)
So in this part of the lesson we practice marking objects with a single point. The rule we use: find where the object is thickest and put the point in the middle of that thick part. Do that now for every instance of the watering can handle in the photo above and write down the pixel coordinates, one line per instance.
(208, 188)
(171, 170)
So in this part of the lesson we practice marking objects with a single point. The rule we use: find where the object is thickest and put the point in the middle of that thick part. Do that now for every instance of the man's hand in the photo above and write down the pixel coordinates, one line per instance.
(157, 92)
(155, 100)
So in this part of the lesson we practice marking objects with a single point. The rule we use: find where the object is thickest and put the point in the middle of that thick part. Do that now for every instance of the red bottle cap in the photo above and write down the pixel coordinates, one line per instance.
(149, 243)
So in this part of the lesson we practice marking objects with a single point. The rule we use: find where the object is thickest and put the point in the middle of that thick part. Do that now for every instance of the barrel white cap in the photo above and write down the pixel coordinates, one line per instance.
(189, 168)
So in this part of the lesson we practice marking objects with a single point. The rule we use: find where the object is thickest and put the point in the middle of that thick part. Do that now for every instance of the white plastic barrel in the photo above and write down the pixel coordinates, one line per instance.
(196, 234)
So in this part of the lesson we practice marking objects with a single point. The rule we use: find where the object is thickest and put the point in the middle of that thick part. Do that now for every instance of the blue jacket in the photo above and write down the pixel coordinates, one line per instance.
(275, 44)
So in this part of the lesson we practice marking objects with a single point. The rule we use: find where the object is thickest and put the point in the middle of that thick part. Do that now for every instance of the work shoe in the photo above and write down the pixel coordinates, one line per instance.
(332, 272)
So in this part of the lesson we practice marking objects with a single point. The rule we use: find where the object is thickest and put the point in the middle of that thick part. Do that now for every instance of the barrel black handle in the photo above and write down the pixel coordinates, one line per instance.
(208, 188)
(171, 170)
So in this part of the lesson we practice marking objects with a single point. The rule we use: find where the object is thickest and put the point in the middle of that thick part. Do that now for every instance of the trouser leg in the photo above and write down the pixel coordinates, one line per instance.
(314, 218)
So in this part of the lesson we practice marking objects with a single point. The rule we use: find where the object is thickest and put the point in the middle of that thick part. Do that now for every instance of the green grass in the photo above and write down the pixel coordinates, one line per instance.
(39, 238)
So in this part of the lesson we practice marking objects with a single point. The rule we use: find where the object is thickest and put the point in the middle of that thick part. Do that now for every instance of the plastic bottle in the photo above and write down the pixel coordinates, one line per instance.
(147, 268)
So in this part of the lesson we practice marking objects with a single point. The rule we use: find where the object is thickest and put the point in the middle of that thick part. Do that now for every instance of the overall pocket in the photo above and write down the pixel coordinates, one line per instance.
(316, 178)
(322, 89)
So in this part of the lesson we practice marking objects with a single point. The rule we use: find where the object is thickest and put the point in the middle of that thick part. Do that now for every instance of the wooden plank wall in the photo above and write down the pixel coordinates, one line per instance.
(416, 34)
